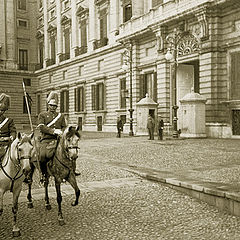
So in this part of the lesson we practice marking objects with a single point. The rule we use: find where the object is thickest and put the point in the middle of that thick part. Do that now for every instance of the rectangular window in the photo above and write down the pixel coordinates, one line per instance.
(22, 23)
(98, 96)
(27, 82)
(79, 99)
(123, 93)
(103, 24)
(156, 2)
(23, 59)
(38, 110)
(64, 74)
(53, 49)
(41, 54)
(50, 77)
(67, 41)
(83, 33)
(148, 84)
(235, 73)
(127, 12)
(80, 70)
(29, 100)
(21, 4)
(64, 101)
(100, 65)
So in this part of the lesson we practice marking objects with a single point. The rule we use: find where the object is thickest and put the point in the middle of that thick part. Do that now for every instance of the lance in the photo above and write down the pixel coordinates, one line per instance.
(28, 110)
(31, 125)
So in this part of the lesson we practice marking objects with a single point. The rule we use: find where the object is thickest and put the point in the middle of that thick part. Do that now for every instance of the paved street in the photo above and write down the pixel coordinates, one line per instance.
(116, 204)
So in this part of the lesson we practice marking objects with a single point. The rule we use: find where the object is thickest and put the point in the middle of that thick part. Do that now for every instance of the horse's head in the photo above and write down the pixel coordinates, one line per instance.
(22, 151)
(71, 137)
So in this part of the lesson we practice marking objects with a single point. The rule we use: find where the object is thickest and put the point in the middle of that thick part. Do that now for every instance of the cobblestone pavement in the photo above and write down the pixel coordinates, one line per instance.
(143, 210)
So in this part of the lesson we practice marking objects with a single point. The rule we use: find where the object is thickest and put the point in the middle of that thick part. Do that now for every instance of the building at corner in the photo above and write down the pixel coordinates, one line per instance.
(78, 48)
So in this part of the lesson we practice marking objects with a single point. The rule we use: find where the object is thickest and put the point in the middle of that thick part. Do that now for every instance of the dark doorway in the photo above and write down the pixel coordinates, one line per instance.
(99, 123)
(80, 122)
(235, 122)
(152, 113)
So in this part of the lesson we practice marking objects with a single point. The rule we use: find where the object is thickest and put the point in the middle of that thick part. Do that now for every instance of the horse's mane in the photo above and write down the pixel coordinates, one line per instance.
(70, 131)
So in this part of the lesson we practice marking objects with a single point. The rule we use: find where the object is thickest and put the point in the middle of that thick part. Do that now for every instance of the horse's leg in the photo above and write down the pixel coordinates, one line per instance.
(16, 192)
(59, 201)
(1, 201)
(47, 203)
(29, 196)
(72, 180)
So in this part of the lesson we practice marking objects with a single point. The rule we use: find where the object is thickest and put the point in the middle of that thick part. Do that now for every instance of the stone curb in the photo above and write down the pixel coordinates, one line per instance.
(223, 200)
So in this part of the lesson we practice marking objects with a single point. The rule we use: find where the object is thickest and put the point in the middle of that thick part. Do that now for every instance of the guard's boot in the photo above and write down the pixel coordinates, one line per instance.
(77, 173)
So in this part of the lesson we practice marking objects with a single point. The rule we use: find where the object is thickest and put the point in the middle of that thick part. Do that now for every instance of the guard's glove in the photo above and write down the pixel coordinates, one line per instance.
(11, 138)
(57, 132)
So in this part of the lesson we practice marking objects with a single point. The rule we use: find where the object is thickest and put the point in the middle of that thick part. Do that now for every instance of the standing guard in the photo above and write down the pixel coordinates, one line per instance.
(51, 125)
(7, 127)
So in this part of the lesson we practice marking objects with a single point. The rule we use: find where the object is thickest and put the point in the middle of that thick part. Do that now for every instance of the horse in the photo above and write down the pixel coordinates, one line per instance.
(60, 167)
(14, 167)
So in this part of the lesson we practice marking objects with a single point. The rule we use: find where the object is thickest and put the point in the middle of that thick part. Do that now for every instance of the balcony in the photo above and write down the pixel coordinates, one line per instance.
(100, 43)
(64, 56)
(80, 50)
(30, 66)
(50, 62)
(169, 10)
(38, 66)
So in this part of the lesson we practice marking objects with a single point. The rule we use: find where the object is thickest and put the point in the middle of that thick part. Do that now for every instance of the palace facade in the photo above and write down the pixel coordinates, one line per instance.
(78, 48)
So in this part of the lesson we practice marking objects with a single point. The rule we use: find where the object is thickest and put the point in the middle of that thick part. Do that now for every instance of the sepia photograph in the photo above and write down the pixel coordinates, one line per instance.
(120, 119)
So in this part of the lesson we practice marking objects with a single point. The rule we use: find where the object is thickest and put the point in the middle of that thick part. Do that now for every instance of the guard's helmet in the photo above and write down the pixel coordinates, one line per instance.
(4, 102)
(52, 98)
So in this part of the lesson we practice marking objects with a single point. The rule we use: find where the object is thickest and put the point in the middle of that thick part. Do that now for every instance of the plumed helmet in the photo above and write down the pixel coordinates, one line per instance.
(4, 102)
(53, 98)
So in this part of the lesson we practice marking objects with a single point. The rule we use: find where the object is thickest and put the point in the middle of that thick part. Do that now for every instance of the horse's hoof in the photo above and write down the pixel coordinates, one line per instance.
(48, 206)
(74, 204)
(1, 211)
(61, 221)
(16, 233)
(30, 205)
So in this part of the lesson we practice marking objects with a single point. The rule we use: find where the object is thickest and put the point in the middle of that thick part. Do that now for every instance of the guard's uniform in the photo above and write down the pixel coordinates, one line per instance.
(48, 122)
(7, 126)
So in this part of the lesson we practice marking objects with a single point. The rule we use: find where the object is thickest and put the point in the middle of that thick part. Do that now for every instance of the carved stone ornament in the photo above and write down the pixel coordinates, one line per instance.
(39, 34)
(100, 2)
(65, 20)
(203, 19)
(188, 44)
(51, 28)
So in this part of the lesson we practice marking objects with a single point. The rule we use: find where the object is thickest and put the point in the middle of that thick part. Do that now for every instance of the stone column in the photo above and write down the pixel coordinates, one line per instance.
(74, 28)
(113, 20)
(59, 29)
(46, 40)
(92, 24)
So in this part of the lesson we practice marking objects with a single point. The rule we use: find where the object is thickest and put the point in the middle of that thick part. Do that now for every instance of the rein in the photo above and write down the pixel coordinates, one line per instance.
(65, 153)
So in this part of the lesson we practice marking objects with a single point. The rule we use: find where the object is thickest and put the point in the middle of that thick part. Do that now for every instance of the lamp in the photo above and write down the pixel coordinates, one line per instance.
(128, 59)
(171, 54)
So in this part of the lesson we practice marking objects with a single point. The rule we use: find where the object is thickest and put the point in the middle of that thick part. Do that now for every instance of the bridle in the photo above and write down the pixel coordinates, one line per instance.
(17, 164)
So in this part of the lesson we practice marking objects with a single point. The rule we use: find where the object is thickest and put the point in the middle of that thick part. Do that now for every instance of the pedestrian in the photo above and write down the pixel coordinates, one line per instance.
(160, 128)
(119, 127)
(150, 127)
(7, 127)
(51, 125)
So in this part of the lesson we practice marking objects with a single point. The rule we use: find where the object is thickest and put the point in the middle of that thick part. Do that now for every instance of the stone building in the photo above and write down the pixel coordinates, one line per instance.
(83, 44)
(18, 56)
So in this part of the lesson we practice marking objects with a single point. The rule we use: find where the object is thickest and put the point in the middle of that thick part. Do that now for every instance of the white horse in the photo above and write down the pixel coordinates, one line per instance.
(14, 167)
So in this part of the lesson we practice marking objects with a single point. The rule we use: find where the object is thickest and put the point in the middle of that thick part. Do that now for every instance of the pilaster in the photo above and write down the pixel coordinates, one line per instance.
(74, 28)
(59, 30)
(114, 20)
(92, 24)
(46, 42)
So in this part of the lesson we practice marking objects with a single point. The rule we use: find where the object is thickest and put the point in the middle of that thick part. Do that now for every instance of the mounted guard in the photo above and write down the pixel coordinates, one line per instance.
(7, 127)
(51, 125)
